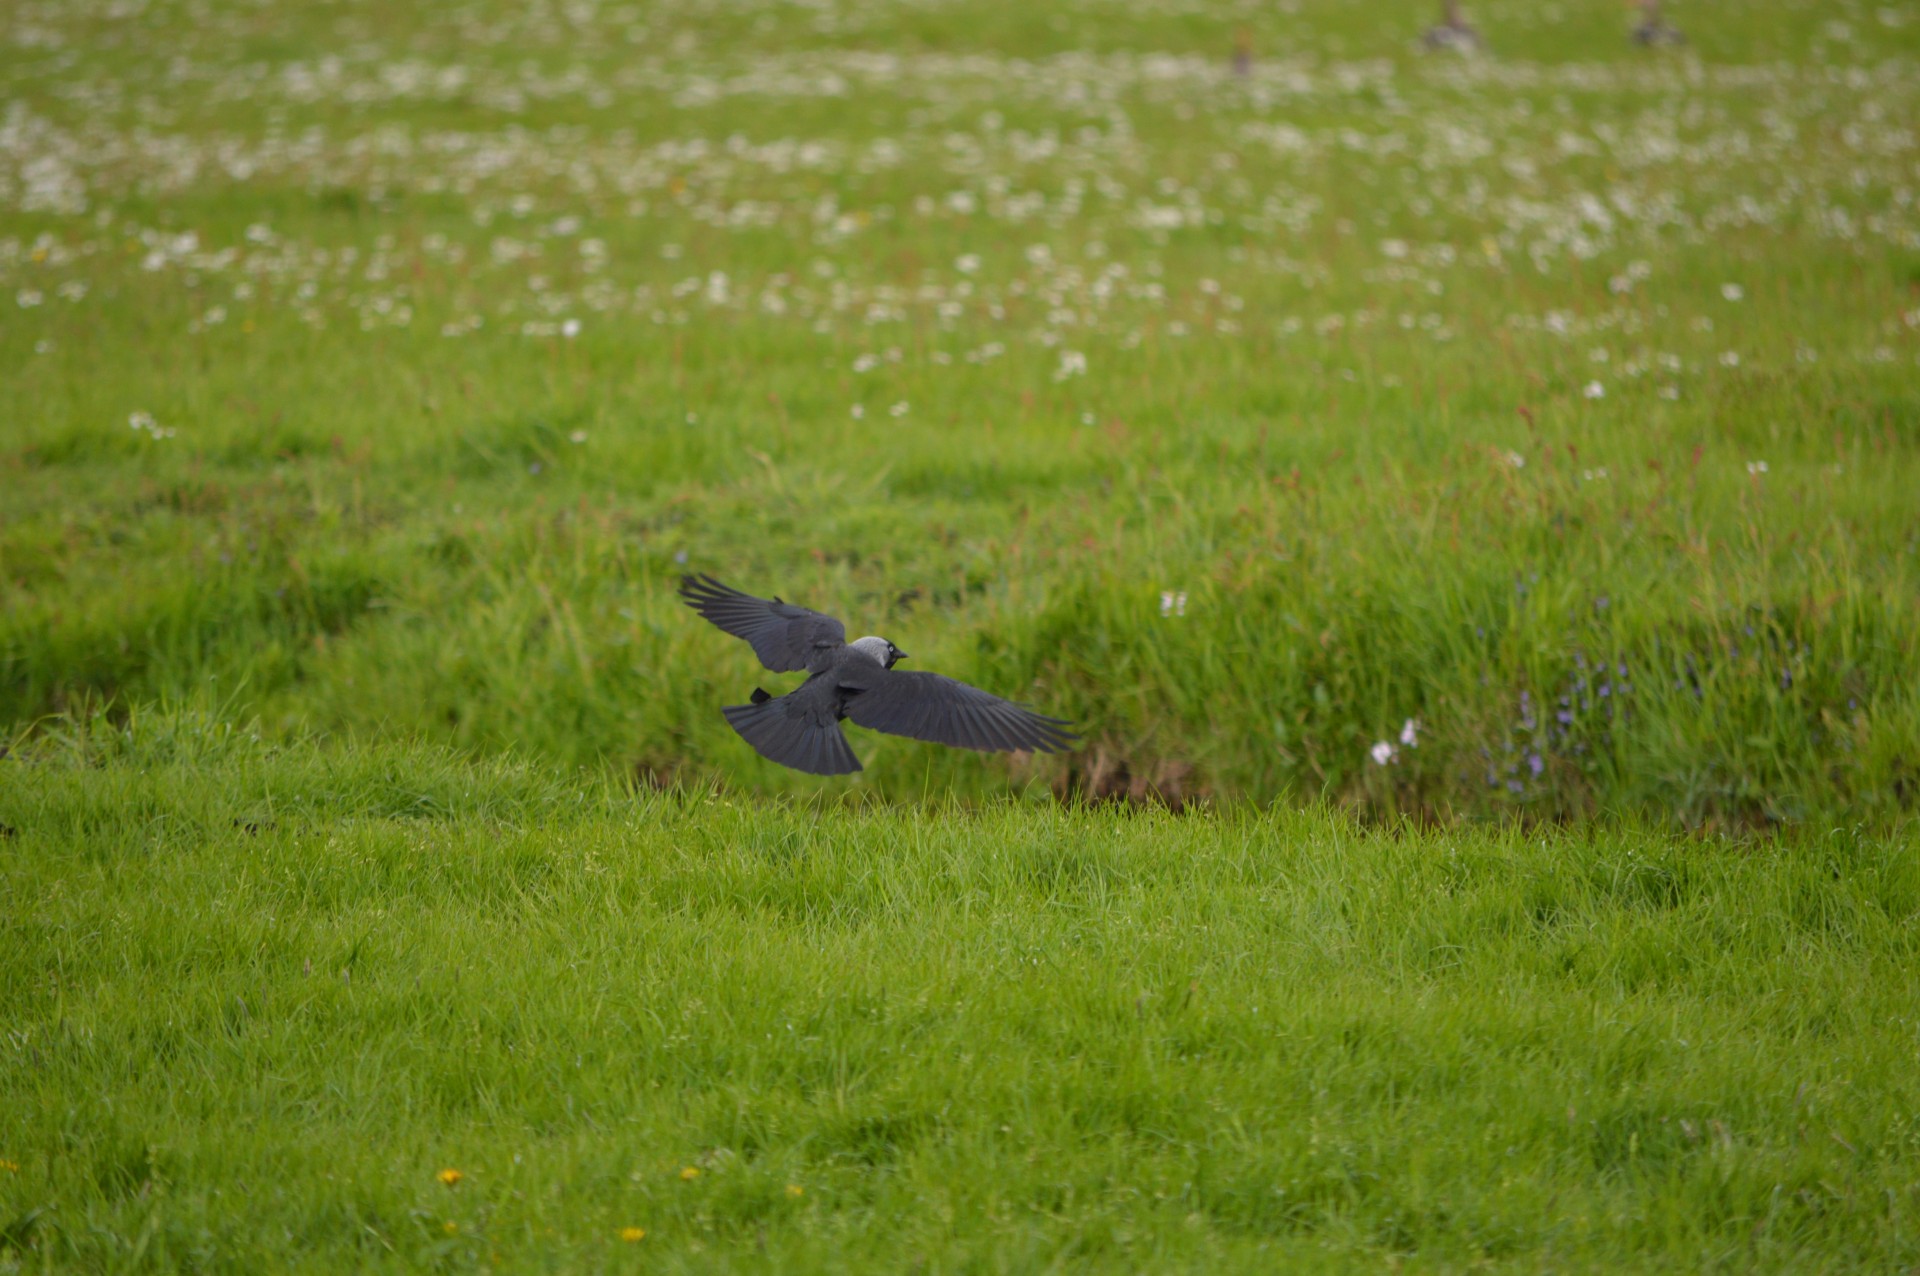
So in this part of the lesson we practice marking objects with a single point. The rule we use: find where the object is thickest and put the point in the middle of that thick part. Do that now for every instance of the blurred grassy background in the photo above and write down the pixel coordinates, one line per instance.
(1437, 386)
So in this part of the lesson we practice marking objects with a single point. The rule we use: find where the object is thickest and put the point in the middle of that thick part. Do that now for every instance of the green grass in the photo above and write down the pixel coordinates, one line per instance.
(370, 372)
(260, 998)
(1339, 319)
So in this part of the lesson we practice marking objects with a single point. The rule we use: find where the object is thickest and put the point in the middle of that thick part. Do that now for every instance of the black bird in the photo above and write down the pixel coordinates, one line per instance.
(853, 680)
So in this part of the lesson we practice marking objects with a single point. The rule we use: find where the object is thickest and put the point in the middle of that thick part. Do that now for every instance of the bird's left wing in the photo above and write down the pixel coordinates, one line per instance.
(929, 706)
(786, 636)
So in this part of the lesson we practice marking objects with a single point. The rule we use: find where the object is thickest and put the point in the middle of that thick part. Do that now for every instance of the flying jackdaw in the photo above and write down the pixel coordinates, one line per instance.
(853, 680)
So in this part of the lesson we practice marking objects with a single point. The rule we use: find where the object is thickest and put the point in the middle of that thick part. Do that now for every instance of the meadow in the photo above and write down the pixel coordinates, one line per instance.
(1465, 501)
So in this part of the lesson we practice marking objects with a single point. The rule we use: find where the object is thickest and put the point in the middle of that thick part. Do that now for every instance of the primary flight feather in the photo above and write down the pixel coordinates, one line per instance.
(854, 680)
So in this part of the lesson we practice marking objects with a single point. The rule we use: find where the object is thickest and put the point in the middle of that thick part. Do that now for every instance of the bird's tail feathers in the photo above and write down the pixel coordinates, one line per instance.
(791, 739)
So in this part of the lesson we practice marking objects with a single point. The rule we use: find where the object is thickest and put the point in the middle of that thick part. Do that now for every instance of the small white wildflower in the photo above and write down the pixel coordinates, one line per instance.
(1594, 475)
(1731, 359)
(898, 409)
(1517, 461)
(967, 263)
(1383, 753)
(1410, 733)
(1756, 467)
(859, 410)
(1072, 364)
(27, 298)
(145, 421)
(570, 329)
(1594, 390)
(578, 436)
(1173, 603)
(866, 363)
(1732, 292)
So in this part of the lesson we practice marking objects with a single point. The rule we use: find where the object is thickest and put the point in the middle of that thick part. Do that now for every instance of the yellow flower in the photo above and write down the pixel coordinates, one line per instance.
(11, 1167)
(691, 1173)
(795, 1190)
(632, 1234)
(449, 1227)
(450, 1177)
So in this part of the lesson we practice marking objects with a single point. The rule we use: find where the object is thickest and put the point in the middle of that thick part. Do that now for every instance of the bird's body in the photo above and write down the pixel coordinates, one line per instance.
(855, 680)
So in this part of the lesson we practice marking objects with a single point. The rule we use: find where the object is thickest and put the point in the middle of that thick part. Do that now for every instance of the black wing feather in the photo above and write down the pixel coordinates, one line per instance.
(942, 710)
(985, 730)
(793, 736)
(785, 636)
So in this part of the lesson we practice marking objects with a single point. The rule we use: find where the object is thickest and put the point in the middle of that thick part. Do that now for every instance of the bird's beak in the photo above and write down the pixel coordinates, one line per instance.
(899, 654)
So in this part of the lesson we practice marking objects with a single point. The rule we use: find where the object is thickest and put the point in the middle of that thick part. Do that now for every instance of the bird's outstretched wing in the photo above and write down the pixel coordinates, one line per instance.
(799, 730)
(785, 636)
(929, 706)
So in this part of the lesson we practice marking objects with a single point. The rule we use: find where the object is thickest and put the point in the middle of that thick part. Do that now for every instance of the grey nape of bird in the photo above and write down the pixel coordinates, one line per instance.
(854, 680)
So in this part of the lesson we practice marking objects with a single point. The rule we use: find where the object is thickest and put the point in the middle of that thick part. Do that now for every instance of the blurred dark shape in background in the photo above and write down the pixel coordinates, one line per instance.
(1653, 30)
(1454, 31)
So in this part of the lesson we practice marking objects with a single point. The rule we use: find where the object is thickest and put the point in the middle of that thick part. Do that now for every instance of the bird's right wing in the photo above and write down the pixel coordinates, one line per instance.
(929, 706)
(785, 636)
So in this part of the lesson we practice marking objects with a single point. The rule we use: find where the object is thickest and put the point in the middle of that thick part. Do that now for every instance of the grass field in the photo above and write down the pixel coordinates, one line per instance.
(1467, 503)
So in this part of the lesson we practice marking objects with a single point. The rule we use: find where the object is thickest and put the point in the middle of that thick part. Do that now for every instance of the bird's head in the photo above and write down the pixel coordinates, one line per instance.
(881, 650)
